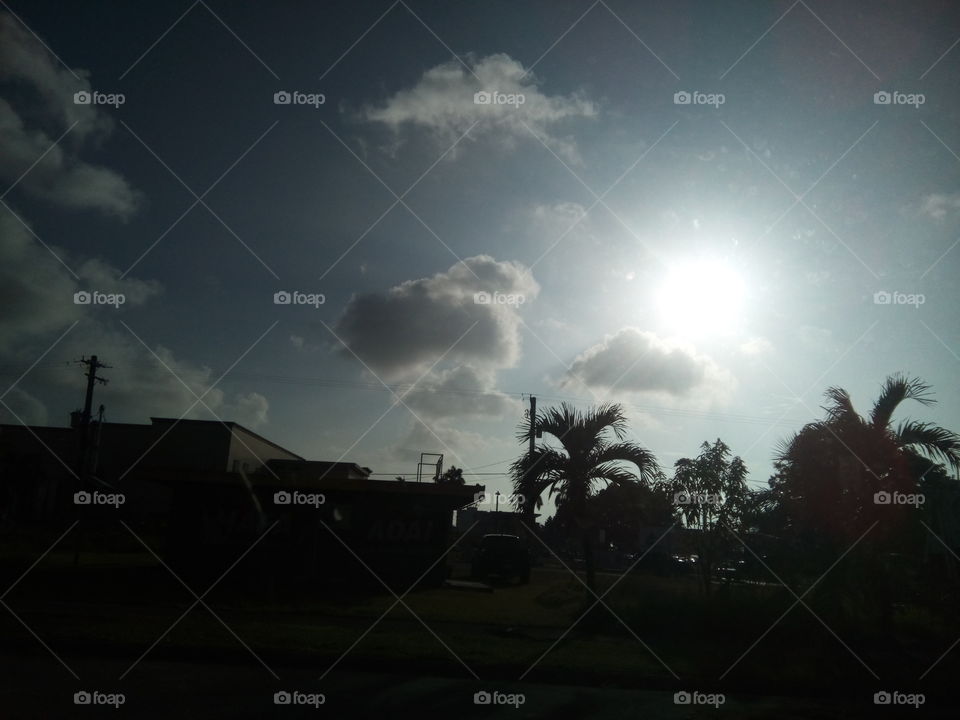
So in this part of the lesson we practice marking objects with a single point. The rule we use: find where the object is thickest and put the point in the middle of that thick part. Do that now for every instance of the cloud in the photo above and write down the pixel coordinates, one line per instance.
(639, 361)
(24, 60)
(250, 410)
(23, 407)
(36, 290)
(142, 385)
(36, 293)
(403, 331)
(442, 102)
(565, 212)
(461, 391)
(755, 347)
(813, 337)
(60, 177)
(98, 275)
(449, 441)
(938, 205)
(560, 220)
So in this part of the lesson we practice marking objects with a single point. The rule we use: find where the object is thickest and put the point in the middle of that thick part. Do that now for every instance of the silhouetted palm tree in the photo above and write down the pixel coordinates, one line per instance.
(588, 456)
(830, 472)
(912, 438)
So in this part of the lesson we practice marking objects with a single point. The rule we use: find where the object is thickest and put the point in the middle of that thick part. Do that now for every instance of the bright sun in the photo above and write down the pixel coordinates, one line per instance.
(703, 296)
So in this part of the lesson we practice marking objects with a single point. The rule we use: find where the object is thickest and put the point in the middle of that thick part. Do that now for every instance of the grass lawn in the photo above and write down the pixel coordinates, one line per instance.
(121, 603)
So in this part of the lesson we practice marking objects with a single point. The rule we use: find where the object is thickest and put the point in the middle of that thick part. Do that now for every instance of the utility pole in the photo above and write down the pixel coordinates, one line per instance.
(93, 364)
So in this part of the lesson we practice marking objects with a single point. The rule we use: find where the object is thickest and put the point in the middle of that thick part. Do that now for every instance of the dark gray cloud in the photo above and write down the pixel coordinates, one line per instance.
(37, 295)
(401, 332)
(461, 391)
(634, 360)
(36, 288)
(60, 177)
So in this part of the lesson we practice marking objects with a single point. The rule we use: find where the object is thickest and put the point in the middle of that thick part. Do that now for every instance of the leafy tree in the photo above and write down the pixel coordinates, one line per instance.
(710, 497)
(587, 456)
(452, 476)
(623, 510)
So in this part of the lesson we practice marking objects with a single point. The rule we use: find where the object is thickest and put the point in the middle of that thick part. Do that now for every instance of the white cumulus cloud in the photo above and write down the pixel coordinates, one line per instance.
(443, 102)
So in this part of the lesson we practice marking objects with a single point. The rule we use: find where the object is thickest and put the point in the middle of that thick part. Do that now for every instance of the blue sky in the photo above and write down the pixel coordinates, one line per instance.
(704, 263)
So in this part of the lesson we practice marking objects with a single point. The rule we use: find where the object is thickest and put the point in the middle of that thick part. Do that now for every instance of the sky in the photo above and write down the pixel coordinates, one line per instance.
(708, 212)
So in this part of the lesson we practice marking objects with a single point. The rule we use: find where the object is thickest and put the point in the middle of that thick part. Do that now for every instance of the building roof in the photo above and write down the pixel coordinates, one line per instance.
(318, 468)
(329, 484)
(229, 424)
(7, 427)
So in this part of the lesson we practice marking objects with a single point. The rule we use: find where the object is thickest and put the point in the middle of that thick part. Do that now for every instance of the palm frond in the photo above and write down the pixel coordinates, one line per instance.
(612, 472)
(932, 440)
(840, 409)
(643, 459)
(897, 388)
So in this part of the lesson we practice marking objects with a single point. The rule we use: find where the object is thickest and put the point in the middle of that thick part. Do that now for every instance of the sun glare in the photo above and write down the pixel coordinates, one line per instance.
(703, 296)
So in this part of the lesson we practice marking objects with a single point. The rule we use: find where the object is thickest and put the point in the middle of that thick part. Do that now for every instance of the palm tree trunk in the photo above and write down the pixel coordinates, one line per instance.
(589, 560)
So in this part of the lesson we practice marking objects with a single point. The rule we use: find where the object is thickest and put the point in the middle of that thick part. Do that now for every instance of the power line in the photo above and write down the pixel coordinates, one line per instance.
(395, 474)
(401, 387)
(498, 462)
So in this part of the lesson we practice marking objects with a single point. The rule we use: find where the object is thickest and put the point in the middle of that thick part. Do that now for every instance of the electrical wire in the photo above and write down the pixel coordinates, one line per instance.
(7, 370)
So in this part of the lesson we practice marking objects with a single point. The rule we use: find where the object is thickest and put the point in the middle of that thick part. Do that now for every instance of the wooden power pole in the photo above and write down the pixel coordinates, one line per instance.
(93, 364)
(83, 461)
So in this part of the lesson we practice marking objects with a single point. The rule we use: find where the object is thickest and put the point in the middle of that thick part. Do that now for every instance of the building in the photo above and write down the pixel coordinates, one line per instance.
(38, 464)
(211, 489)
